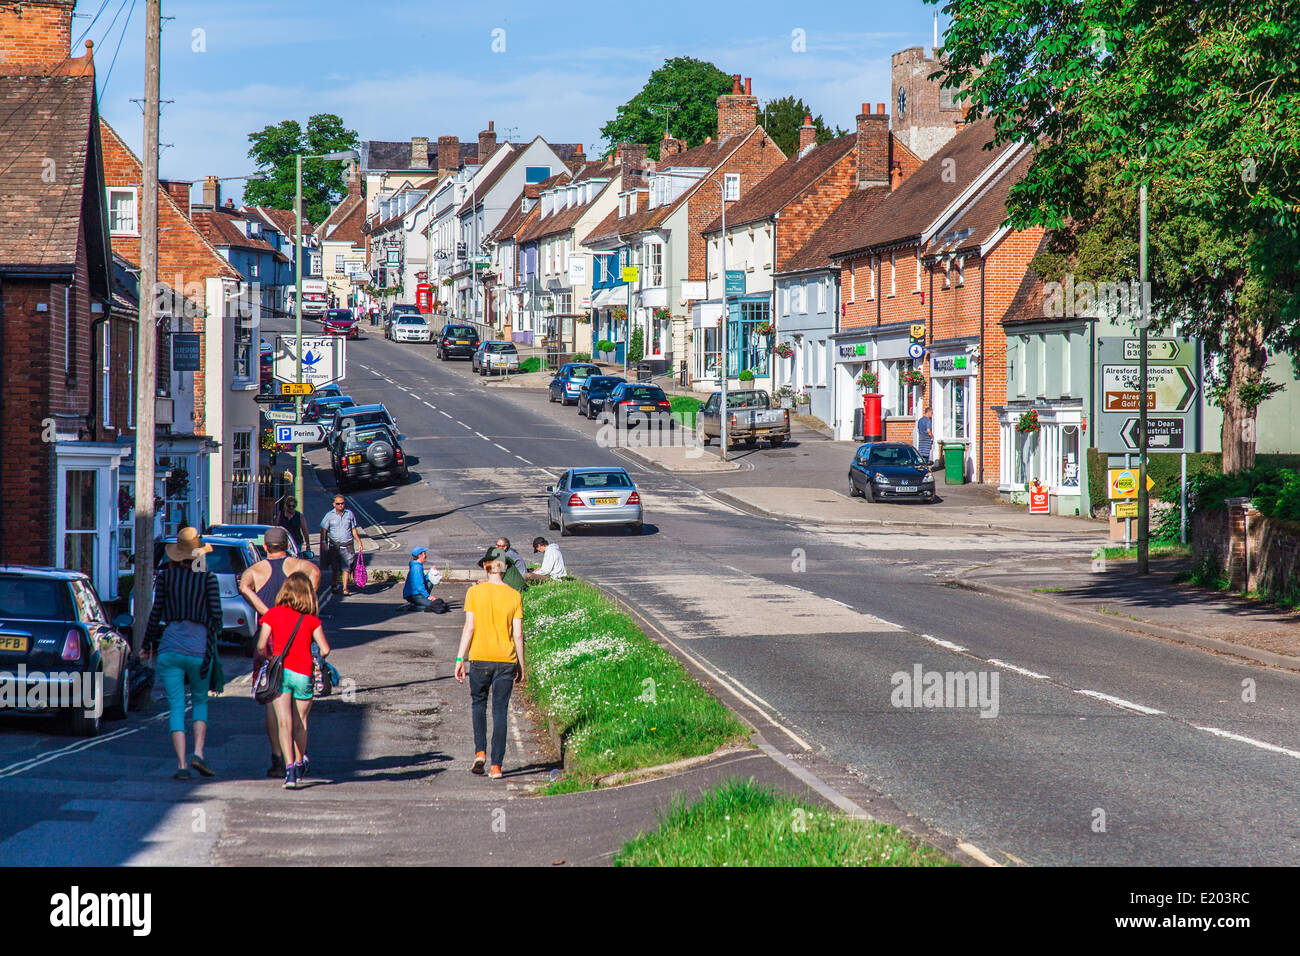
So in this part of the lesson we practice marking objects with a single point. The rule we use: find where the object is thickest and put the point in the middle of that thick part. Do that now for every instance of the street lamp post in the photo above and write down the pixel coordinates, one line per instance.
(348, 154)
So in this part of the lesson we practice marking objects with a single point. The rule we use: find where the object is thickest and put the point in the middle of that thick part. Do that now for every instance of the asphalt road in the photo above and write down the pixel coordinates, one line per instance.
(1099, 746)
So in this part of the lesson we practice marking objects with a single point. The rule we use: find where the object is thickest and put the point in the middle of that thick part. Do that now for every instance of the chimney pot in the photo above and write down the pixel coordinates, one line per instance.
(735, 84)
(866, 107)
(748, 91)
(880, 108)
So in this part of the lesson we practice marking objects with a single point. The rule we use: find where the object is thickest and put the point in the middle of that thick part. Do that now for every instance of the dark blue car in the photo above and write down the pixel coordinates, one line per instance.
(884, 470)
(594, 393)
(569, 378)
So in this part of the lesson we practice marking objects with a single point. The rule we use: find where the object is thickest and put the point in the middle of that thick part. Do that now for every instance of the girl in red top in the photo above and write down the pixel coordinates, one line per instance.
(295, 606)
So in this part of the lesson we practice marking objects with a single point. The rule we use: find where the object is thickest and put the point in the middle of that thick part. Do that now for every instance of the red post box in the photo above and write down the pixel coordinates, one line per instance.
(872, 428)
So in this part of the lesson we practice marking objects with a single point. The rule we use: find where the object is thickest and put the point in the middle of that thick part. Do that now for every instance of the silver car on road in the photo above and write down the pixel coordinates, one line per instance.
(587, 497)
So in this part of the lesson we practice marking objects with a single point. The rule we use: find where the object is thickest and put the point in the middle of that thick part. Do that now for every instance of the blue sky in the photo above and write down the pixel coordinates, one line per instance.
(398, 69)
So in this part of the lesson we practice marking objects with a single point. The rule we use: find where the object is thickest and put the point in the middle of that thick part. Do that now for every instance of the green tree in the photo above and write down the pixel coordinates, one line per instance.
(636, 348)
(683, 93)
(1195, 98)
(783, 119)
(273, 150)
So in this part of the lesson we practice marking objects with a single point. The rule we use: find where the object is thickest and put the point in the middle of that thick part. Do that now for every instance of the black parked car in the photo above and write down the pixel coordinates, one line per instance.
(367, 453)
(320, 407)
(883, 470)
(632, 403)
(594, 393)
(457, 341)
(357, 416)
(51, 622)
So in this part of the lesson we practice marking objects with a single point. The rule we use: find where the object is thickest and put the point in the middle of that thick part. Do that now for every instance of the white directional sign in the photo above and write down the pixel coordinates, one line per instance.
(1171, 400)
(298, 434)
(324, 359)
(281, 414)
(1163, 434)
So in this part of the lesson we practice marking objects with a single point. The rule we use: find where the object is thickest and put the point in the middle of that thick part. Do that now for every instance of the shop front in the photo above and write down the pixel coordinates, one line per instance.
(748, 339)
(881, 350)
(1044, 441)
(953, 395)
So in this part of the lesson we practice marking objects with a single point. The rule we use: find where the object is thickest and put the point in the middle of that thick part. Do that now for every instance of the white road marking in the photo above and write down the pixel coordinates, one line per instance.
(948, 645)
(444, 414)
(1274, 748)
(1019, 670)
(503, 448)
(1121, 702)
(463, 425)
(31, 763)
(970, 849)
(523, 459)
(482, 436)
(434, 407)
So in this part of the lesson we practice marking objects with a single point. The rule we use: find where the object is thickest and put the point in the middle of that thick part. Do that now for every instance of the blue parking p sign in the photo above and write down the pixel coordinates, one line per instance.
(283, 434)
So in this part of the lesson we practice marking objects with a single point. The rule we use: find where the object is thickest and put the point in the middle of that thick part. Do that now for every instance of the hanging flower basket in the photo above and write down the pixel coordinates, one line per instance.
(1028, 421)
(914, 377)
(764, 328)
(620, 315)
(802, 397)
(782, 350)
(868, 380)
(662, 314)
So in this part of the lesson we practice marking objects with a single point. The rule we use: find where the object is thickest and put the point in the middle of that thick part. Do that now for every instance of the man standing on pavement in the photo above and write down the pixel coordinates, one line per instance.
(552, 566)
(492, 651)
(340, 543)
(925, 435)
(259, 585)
(288, 517)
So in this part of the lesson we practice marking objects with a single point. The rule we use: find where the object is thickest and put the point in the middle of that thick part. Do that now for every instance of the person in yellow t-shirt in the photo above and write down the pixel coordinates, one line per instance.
(492, 652)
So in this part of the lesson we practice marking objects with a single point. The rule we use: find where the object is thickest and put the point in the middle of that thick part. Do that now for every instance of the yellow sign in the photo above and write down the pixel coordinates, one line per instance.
(297, 388)
(630, 273)
(1123, 482)
(1124, 509)
(918, 333)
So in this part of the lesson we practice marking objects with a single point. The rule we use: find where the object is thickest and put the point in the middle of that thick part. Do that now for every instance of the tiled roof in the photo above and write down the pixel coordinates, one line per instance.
(47, 125)
(782, 185)
(612, 227)
(384, 154)
(343, 217)
(847, 219)
(915, 204)
(510, 223)
(985, 215)
(562, 221)
(218, 227)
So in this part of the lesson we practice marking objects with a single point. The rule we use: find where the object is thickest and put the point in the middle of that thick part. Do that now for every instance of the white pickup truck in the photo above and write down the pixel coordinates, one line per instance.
(750, 417)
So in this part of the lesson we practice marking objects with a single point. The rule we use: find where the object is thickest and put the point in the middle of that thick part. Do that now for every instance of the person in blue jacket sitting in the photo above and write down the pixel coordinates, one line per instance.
(416, 591)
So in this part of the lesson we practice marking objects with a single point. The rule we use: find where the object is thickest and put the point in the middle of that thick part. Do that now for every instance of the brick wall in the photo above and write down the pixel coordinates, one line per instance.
(801, 218)
(754, 160)
(35, 36)
(925, 126)
(874, 305)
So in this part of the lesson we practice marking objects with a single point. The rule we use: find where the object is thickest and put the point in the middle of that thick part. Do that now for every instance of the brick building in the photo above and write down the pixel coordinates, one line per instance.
(659, 228)
(60, 465)
(925, 115)
(935, 255)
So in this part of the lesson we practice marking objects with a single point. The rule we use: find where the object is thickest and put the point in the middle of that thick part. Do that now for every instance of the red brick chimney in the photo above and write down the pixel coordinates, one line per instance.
(35, 36)
(487, 142)
(448, 153)
(807, 133)
(961, 123)
(354, 179)
(669, 147)
(632, 157)
(737, 111)
(873, 147)
(180, 193)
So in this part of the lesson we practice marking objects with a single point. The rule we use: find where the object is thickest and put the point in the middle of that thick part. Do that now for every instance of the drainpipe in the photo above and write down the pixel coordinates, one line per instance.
(95, 380)
(983, 270)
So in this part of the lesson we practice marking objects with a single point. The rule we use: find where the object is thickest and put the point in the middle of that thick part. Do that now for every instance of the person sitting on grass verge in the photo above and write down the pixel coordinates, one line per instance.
(512, 575)
(416, 590)
(552, 566)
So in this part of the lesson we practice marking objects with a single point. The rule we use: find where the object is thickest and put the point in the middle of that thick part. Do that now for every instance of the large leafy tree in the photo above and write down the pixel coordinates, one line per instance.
(784, 117)
(273, 150)
(1200, 100)
(682, 96)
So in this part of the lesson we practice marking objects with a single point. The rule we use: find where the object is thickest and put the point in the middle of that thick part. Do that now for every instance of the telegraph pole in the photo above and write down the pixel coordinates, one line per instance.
(297, 323)
(1144, 499)
(147, 331)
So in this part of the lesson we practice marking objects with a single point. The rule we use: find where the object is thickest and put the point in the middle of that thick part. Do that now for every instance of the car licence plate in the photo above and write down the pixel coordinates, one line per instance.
(905, 489)
(13, 643)
(647, 408)
(354, 459)
(604, 501)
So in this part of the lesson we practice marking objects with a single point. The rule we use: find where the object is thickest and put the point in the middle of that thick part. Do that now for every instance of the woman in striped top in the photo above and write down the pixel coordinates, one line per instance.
(187, 597)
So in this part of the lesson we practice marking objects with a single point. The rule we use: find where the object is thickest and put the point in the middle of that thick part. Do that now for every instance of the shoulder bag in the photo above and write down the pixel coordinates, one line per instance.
(269, 680)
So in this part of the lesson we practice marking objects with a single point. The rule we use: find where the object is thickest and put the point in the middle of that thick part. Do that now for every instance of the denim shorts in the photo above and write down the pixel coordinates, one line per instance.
(299, 684)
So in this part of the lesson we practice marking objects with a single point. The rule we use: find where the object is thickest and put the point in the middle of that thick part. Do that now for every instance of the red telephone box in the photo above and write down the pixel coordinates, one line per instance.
(424, 297)
(872, 428)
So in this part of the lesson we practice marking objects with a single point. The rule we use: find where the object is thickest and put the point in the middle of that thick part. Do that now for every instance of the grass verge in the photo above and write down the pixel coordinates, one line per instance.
(684, 409)
(533, 364)
(741, 823)
(1157, 549)
(619, 701)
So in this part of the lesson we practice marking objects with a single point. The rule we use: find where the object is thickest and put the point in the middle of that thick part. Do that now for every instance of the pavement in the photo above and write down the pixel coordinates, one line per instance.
(956, 506)
(1096, 589)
